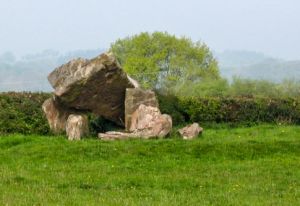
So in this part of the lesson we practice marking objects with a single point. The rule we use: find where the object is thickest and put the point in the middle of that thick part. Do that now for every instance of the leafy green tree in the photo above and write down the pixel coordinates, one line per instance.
(163, 61)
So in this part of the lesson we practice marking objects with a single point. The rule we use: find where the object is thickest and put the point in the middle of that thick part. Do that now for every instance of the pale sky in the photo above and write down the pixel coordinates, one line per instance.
(268, 26)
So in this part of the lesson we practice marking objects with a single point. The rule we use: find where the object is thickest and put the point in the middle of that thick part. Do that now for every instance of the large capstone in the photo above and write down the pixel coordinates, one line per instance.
(97, 85)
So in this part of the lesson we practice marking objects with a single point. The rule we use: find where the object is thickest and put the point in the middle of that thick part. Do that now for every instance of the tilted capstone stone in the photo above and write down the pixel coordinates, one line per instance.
(97, 85)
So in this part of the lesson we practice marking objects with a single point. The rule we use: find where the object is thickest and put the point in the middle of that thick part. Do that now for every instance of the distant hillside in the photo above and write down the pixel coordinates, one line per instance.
(30, 72)
(274, 71)
(240, 58)
(257, 66)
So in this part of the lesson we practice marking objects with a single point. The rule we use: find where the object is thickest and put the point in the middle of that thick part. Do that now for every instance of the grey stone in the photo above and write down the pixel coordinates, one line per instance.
(147, 122)
(113, 135)
(191, 131)
(77, 126)
(97, 85)
(56, 115)
(134, 98)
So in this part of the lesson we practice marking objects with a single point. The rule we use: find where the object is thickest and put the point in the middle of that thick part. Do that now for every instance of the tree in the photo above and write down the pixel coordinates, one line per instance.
(163, 61)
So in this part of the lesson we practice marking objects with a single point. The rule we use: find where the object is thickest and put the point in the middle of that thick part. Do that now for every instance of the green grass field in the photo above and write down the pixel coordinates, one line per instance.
(258, 165)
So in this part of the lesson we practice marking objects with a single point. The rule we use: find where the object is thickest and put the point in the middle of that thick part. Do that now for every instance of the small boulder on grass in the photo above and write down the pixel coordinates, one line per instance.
(191, 131)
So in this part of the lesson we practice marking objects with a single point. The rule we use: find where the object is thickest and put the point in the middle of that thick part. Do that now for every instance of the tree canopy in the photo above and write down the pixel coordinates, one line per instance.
(163, 61)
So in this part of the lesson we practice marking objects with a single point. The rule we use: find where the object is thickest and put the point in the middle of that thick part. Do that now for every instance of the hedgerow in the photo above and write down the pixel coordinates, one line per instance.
(235, 110)
(22, 112)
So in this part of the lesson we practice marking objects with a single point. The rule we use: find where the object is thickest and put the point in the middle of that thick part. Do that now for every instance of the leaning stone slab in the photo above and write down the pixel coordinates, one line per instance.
(97, 85)
(56, 115)
(77, 126)
(134, 98)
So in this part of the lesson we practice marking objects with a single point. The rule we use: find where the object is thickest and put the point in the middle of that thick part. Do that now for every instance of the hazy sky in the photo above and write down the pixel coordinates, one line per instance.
(269, 26)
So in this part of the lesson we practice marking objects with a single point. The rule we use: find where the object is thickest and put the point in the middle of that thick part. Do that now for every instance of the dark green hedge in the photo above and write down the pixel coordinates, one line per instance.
(236, 110)
(22, 112)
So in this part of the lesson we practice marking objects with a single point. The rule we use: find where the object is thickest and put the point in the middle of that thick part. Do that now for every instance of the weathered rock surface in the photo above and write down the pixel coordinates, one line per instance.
(117, 135)
(56, 115)
(77, 126)
(147, 122)
(97, 85)
(134, 98)
(191, 131)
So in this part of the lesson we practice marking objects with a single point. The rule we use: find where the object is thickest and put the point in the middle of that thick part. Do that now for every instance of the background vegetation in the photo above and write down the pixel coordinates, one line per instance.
(239, 87)
(183, 68)
(163, 61)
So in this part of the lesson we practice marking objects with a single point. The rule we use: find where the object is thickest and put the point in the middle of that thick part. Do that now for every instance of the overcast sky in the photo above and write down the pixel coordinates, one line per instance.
(268, 26)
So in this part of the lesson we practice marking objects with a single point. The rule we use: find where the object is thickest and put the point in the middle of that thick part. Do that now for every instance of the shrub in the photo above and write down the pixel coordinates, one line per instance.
(100, 125)
(169, 104)
(233, 110)
(22, 113)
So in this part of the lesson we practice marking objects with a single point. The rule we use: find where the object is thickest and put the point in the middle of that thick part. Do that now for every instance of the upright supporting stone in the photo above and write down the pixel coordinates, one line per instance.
(56, 115)
(134, 98)
(77, 126)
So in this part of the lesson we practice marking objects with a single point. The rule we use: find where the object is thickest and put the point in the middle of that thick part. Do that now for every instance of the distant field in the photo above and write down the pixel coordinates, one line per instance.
(226, 166)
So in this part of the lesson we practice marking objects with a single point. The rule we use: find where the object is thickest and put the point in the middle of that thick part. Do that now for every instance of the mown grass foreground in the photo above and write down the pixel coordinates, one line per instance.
(243, 166)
